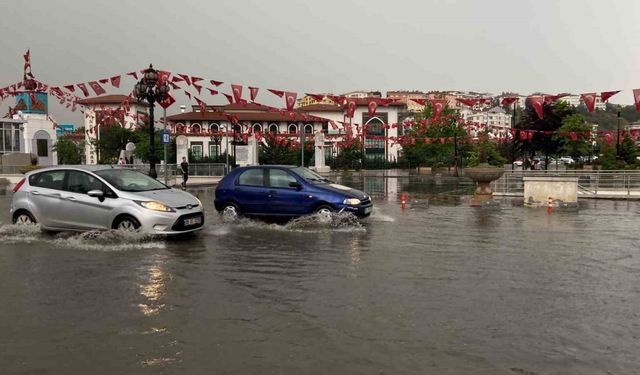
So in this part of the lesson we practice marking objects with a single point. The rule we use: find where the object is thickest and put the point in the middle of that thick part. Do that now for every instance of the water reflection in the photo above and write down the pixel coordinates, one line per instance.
(154, 288)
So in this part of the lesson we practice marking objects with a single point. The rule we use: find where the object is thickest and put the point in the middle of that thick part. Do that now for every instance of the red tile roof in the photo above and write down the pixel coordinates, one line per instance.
(321, 108)
(243, 116)
(107, 99)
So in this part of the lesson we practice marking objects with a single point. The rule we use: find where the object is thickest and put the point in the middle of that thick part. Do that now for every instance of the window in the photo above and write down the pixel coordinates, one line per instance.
(308, 129)
(252, 177)
(257, 128)
(214, 128)
(128, 180)
(196, 150)
(42, 146)
(213, 150)
(273, 129)
(293, 129)
(80, 182)
(279, 178)
(195, 128)
(49, 180)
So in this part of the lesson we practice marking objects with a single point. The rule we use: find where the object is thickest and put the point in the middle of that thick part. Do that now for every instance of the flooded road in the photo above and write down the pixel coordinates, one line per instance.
(436, 288)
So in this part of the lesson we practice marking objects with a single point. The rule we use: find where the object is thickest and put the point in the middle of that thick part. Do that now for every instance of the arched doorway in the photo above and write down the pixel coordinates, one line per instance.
(374, 140)
(41, 147)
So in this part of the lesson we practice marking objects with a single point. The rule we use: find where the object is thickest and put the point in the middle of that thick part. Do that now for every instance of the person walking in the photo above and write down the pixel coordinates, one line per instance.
(185, 171)
(122, 162)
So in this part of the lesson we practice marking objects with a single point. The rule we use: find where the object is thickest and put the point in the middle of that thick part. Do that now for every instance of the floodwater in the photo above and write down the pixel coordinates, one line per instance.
(436, 288)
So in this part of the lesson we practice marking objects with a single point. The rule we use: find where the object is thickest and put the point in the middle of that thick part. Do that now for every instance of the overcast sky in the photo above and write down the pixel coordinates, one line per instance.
(332, 45)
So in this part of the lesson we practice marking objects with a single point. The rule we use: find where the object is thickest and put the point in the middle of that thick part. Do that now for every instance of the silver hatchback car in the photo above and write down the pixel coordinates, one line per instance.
(83, 198)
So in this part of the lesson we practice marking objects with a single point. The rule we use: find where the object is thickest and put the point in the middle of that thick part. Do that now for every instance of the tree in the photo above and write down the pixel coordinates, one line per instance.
(69, 150)
(433, 141)
(484, 152)
(278, 150)
(628, 150)
(112, 140)
(574, 136)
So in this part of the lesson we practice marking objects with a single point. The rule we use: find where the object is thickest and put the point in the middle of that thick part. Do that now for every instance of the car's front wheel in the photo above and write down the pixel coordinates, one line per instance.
(23, 218)
(324, 210)
(230, 212)
(126, 224)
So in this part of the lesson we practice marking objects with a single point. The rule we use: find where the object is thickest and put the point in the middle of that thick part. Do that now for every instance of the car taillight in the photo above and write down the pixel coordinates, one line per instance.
(18, 185)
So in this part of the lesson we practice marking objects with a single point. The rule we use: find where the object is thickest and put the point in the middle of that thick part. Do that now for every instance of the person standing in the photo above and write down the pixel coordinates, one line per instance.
(185, 171)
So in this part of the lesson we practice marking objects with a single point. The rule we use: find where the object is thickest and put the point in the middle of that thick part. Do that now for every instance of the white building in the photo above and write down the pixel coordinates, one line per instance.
(36, 132)
(576, 100)
(102, 112)
(496, 120)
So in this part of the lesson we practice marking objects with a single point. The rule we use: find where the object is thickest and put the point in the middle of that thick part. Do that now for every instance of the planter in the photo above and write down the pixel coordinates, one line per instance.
(483, 176)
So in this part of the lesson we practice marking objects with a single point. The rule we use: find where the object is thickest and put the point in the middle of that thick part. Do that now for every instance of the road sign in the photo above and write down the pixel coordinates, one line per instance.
(166, 137)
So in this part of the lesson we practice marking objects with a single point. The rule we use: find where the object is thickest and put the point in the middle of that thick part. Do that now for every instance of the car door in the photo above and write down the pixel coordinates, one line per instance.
(250, 191)
(83, 211)
(44, 193)
(284, 199)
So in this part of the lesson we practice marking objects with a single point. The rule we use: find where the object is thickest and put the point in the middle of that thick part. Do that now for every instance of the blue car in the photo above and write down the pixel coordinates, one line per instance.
(285, 191)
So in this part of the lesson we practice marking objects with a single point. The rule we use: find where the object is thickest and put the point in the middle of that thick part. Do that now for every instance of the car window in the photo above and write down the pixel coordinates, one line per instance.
(49, 179)
(80, 182)
(252, 177)
(279, 178)
(128, 180)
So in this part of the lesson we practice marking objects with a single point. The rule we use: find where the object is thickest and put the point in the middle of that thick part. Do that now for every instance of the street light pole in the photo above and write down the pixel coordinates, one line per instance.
(152, 90)
(618, 137)
(164, 129)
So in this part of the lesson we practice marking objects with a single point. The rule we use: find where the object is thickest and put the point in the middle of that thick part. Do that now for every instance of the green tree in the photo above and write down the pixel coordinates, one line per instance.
(278, 150)
(112, 140)
(69, 150)
(628, 150)
(608, 156)
(484, 152)
(574, 136)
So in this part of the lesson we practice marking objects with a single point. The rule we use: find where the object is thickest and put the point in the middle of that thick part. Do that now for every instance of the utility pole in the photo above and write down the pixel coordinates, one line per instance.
(164, 131)
(301, 145)
(618, 137)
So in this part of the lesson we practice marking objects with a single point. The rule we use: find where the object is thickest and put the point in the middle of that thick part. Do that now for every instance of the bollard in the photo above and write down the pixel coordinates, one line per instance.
(550, 205)
(403, 201)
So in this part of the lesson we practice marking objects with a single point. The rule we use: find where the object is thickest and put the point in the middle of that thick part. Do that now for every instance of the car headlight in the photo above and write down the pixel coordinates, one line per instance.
(199, 203)
(352, 201)
(155, 206)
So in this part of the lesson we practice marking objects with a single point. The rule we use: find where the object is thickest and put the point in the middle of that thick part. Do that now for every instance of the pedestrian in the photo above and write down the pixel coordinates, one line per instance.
(185, 171)
(122, 162)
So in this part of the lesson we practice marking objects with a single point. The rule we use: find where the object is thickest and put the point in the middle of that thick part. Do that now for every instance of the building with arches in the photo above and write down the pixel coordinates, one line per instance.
(205, 131)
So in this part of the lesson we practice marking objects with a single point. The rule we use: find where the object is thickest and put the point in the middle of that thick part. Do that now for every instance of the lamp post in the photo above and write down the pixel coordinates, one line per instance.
(618, 137)
(152, 91)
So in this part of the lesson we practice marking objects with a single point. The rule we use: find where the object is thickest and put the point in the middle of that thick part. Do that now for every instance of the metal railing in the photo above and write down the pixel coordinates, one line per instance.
(195, 170)
(591, 184)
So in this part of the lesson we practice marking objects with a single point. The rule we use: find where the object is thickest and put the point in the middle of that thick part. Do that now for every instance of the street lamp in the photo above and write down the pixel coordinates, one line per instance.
(151, 90)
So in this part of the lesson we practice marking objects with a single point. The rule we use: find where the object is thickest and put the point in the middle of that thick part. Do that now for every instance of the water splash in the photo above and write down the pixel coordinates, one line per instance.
(13, 233)
(111, 240)
(327, 222)
(377, 215)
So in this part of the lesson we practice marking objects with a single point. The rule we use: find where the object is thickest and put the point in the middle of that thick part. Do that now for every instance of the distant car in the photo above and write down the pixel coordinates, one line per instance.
(81, 198)
(566, 160)
(518, 163)
(285, 191)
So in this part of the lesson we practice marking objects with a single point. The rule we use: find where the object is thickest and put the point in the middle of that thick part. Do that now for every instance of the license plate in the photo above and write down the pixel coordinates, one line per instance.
(367, 210)
(193, 221)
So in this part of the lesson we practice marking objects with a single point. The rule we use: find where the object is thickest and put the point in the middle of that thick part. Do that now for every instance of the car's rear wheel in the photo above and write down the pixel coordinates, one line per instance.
(23, 218)
(126, 224)
(230, 212)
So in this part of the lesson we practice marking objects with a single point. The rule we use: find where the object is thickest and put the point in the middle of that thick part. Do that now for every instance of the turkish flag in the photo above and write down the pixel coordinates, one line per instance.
(530, 135)
(340, 100)
(589, 100)
(188, 94)
(176, 79)
(351, 107)
(115, 81)
(387, 101)
(537, 102)
(419, 101)
(71, 88)
(186, 78)
(133, 74)
(508, 100)
(605, 95)
(195, 79)
(468, 102)
(104, 81)
(237, 92)
(276, 92)
(636, 98)
(438, 106)
(203, 105)
(212, 91)
(197, 87)
(229, 98)
(167, 101)
(372, 106)
(97, 88)
(253, 93)
(83, 87)
(215, 83)
(290, 100)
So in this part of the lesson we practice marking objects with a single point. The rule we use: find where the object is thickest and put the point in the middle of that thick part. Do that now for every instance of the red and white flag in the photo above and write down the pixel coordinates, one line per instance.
(229, 98)
(70, 88)
(589, 100)
(237, 92)
(537, 102)
(253, 93)
(605, 95)
(215, 83)
(83, 88)
(133, 74)
(276, 92)
(185, 78)
(212, 91)
(352, 103)
(339, 100)
(636, 98)
(290, 100)
(167, 101)
(316, 97)
(372, 107)
(419, 101)
(507, 101)
(97, 88)
(438, 106)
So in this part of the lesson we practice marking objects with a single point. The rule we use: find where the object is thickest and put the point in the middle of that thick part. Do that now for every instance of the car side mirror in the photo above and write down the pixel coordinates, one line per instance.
(96, 194)
(296, 185)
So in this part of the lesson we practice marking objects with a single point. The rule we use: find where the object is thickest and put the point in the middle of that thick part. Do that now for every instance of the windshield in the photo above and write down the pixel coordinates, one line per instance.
(128, 180)
(309, 175)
